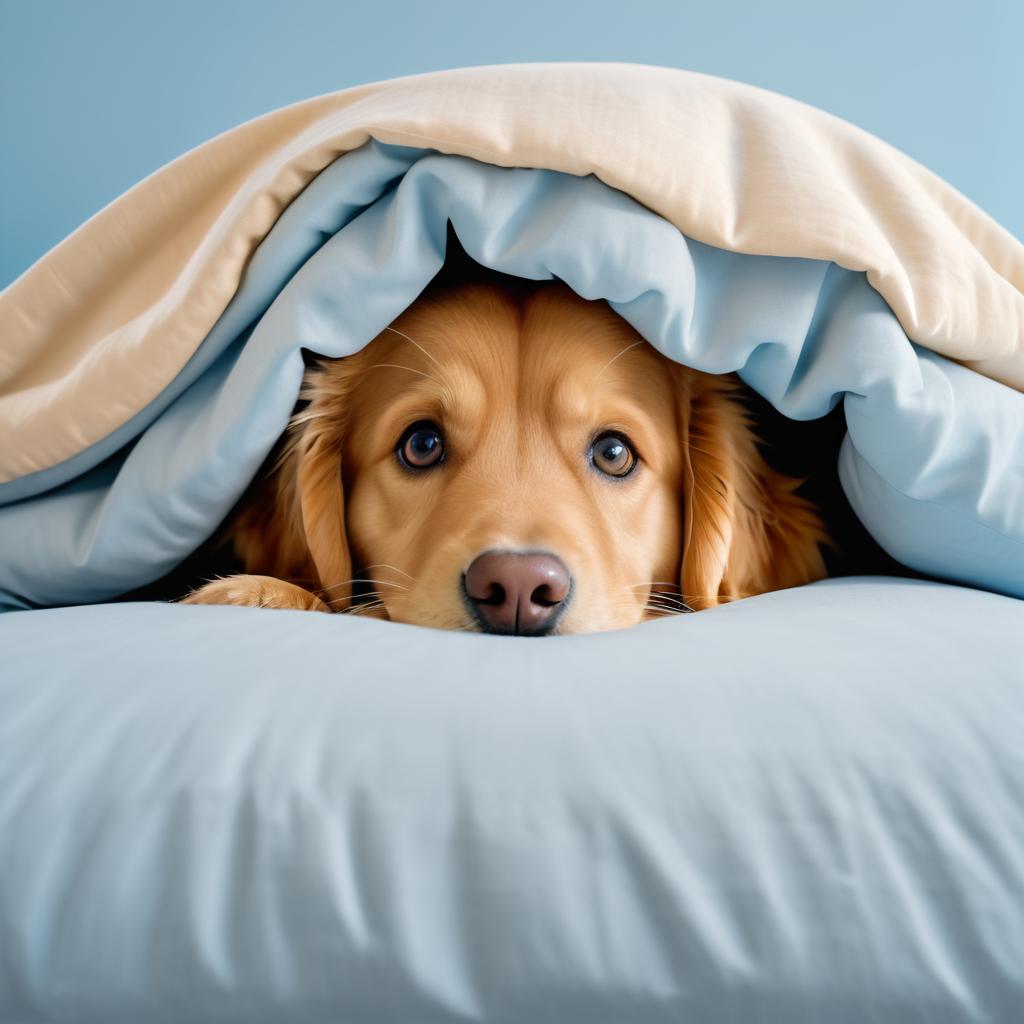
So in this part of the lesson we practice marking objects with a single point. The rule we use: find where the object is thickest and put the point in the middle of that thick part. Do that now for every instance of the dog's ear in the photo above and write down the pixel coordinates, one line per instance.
(746, 531)
(292, 524)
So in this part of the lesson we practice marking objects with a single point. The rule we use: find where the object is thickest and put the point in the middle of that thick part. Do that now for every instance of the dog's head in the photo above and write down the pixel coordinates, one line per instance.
(521, 461)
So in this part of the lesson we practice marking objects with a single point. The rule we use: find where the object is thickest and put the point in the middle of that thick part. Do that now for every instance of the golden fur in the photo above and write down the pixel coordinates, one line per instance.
(520, 381)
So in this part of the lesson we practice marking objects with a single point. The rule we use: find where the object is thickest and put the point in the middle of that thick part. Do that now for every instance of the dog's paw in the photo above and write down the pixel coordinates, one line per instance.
(257, 592)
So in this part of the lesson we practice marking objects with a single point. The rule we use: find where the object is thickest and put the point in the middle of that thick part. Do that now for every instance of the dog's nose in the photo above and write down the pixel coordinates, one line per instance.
(517, 593)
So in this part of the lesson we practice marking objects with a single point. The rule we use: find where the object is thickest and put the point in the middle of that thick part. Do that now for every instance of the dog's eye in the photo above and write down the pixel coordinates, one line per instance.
(421, 446)
(613, 455)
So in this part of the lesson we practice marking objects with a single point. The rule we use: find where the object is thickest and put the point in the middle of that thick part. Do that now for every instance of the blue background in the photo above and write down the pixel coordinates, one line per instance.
(95, 96)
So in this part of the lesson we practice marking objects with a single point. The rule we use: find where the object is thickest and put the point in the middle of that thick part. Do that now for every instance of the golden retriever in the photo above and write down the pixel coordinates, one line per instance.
(517, 460)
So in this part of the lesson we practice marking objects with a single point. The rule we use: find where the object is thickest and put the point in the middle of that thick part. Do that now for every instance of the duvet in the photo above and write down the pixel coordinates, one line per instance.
(803, 806)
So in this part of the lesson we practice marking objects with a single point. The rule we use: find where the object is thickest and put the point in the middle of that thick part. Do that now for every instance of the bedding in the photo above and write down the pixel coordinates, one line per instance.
(802, 806)
(948, 499)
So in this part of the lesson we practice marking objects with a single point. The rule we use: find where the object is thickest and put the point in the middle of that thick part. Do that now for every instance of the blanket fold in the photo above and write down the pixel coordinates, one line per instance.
(334, 272)
(150, 361)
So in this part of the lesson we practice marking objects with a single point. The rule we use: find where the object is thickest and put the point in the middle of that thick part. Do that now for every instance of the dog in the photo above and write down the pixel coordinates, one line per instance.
(516, 459)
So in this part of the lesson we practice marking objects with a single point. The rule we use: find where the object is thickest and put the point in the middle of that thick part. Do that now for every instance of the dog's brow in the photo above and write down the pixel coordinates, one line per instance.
(413, 341)
(618, 355)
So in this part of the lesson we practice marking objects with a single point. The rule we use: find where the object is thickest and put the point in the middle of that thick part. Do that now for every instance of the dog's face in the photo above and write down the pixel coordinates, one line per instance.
(514, 449)
(526, 463)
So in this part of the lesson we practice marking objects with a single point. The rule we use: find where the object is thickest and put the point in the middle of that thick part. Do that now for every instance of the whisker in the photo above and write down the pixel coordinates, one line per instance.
(417, 344)
(368, 594)
(396, 366)
(360, 609)
(667, 600)
(384, 565)
(676, 602)
(374, 601)
(676, 609)
(619, 355)
(379, 583)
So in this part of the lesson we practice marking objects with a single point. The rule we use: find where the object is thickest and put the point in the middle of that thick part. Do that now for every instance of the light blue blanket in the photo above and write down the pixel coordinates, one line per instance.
(933, 463)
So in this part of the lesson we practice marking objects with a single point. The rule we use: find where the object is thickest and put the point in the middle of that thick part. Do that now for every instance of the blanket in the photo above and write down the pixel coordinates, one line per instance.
(933, 463)
(101, 324)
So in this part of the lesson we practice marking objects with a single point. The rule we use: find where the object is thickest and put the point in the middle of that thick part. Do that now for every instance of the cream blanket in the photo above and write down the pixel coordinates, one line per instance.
(101, 324)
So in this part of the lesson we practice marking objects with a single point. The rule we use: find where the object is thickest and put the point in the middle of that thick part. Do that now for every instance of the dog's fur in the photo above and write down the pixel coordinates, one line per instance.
(520, 381)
